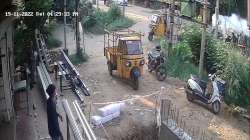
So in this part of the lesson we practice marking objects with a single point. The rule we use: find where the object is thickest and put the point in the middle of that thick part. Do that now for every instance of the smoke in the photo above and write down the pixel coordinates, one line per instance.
(234, 23)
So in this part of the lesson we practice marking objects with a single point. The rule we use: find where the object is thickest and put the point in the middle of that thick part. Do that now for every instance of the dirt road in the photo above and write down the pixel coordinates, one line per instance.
(106, 88)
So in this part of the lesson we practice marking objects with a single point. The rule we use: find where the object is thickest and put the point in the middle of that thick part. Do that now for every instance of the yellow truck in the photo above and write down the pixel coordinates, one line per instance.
(124, 53)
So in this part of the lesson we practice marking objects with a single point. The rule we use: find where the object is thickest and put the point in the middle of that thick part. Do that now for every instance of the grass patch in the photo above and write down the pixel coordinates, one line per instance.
(76, 59)
(182, 70)
(120, 23)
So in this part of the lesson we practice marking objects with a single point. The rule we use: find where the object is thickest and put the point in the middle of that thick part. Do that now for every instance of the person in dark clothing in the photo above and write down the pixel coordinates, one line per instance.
(52, 115)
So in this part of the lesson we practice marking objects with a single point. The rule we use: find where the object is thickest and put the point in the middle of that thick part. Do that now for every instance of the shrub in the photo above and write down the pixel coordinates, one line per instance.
(89, 21)
(178, 63)
(120, 23)
(237, 74)
(78, 59)
(192, 36)
(183, 52)
(216, 56)
(180, 69)
(113, 20)
(113, 13)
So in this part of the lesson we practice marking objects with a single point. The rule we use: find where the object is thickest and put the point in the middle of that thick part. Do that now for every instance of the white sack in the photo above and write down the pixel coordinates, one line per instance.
(110, 109)
(97, 120)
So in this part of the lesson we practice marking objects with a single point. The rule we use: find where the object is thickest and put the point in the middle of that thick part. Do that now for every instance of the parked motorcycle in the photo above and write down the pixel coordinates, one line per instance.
(156, 61)
(197, 89)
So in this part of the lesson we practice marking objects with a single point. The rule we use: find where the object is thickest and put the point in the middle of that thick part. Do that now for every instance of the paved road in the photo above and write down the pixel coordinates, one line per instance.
(134, 12)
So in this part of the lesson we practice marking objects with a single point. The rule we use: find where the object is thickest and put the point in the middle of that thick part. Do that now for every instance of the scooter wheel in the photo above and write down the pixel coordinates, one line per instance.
(161, 73)
(110, 68)
(216, 107)
(135, 83)
(150, 67)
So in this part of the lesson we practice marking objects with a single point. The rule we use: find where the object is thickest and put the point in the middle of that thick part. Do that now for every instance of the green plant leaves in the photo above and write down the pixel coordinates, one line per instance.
(111, 20)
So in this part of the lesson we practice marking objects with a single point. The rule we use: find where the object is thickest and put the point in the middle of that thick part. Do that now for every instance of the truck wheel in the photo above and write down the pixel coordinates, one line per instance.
(109, 68)
(135, 83)
(150, 36)
(150, 67)
(161, 73)
(216, 107)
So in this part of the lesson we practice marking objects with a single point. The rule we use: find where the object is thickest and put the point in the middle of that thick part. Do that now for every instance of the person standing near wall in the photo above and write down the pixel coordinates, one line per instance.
(52, 115)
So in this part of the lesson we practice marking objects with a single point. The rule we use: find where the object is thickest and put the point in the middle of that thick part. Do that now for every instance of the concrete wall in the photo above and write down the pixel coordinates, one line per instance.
(6, 86)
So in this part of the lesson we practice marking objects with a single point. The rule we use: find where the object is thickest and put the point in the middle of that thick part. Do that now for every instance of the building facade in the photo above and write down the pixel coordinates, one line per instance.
(6, 64)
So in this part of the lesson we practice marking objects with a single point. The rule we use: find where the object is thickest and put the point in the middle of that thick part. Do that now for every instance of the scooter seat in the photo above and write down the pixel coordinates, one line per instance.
(202, 83)
(154, 53)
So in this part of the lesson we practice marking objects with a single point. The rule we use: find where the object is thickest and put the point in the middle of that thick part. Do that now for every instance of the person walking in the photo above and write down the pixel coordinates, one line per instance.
(52, 115)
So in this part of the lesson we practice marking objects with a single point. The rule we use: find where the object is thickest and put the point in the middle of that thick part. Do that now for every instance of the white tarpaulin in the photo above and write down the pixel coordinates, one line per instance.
(110, 109)
(233, 23)
(98, 120)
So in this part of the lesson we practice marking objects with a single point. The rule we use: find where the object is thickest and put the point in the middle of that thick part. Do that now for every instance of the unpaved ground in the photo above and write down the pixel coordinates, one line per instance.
(106, 88)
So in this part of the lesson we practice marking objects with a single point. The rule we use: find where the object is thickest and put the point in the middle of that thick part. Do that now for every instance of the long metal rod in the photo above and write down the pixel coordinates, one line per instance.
(75, 129)
(88, 130)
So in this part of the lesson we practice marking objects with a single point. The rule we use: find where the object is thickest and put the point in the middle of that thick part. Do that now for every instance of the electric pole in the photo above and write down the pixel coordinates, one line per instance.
(65, 46)
(217, 17)
(97, 4)
(123, 8)
(172, 12)
(248, 15)
(203, 40)
(78, 48)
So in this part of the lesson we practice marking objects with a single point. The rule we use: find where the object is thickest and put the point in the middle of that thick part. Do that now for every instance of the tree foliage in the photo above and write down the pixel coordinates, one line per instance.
(97, 20)
(34, 22)
(192, 36)
(24, 35)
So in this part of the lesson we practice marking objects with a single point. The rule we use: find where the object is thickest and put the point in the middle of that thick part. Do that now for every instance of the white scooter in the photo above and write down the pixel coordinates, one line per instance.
(196, 89)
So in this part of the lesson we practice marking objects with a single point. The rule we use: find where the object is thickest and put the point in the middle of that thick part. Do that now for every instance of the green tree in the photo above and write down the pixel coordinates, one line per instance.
(25, 34)
(34, 22)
